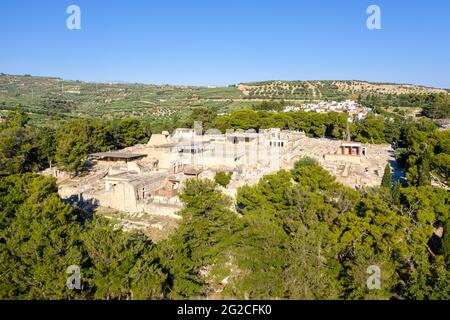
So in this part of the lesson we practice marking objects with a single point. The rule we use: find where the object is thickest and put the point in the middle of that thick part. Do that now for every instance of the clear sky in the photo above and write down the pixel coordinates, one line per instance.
(220, 42)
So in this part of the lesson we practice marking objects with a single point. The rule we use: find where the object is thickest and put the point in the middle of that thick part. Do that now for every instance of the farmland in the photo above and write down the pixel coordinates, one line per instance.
(54, 98)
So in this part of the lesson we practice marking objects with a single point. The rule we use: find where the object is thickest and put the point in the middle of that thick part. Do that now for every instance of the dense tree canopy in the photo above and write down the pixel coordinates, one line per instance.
(41, 237)
(425, 154)
(321, 125)
(371, 130)
(319, 234)
(201, 242)
(25, 148)
(204, 115)
(297, 234)
(294, 235)
(270, 106)
(435, 106)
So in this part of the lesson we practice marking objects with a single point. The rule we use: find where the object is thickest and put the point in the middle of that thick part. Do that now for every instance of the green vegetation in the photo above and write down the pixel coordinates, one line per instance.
(297, 235)
(270, 106)
(434, 106)
(41, 237)
(425, 153)
(25, 147)
(201, 242)
(319, 238)
(296, 90)
(370, 130)
(222, 178)
(387, 177)
(305, 162)
(45, 98)
(446, 242)
(321, 125)
(204, 115)
(421, 149)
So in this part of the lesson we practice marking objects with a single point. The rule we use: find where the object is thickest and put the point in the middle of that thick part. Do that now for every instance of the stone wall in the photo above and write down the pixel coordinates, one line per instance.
(343, 158)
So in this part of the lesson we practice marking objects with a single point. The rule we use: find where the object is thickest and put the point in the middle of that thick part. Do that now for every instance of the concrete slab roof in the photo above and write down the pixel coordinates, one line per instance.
(351, 144)
(133, 178)
(183, 144)
(117, 155)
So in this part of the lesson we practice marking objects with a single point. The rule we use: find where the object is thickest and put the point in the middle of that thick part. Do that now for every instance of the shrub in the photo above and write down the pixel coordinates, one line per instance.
(222, 178)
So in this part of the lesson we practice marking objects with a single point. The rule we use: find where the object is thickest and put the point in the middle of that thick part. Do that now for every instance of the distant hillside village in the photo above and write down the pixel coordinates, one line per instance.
(352, 108)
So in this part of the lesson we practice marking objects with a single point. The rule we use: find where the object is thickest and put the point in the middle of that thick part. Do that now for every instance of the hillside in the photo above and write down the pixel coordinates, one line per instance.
(54, 97)
(327, 89)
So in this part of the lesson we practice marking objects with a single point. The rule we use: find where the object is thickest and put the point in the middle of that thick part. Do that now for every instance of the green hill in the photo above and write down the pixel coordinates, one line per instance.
(50, 97)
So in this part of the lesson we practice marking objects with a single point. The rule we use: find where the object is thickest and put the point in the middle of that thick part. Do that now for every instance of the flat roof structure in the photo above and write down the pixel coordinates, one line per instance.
(135, 179)
(351, 144)
(114, 156)
(183, 144)
(184, 129)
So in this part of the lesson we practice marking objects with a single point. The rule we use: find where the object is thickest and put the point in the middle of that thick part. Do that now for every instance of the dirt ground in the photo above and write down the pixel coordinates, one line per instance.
(155, 227)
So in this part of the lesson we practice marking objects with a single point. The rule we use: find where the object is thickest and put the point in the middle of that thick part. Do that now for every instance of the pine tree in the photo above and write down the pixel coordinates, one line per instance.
(424, 169)
(386, 180)
(396, 192)
(222, 178)
(446, 242)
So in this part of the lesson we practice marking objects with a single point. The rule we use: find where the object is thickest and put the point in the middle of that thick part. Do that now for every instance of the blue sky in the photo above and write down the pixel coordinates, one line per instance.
(220, 42)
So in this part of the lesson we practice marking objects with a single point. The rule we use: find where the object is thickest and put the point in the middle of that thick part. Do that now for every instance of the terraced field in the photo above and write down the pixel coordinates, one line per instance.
(81, 99)
(331, 90)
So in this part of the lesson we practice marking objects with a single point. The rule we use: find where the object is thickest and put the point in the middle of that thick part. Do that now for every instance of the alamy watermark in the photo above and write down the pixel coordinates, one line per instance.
(74, 281)
(73, 22)
(374, 20)
(374, 280)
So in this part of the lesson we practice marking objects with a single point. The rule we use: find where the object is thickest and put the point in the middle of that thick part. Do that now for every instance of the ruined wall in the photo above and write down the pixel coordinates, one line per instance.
(343, 158)
(121, 197)
(160, 209)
